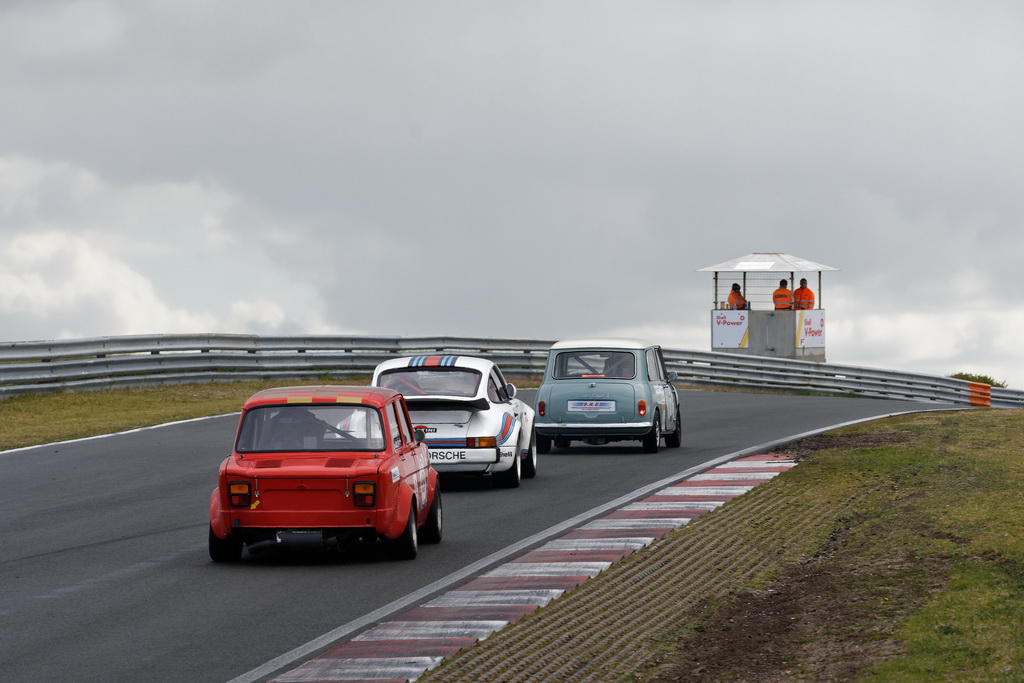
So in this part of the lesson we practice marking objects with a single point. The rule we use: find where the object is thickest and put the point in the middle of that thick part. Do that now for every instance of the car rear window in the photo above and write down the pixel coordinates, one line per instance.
(431, 381)
(310, 427)
(584, 364)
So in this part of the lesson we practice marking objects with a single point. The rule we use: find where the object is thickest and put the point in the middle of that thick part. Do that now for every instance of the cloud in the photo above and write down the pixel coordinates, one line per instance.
(528, 169)
(84, 257)
(58, 281)
(44, 31)
(63, 281)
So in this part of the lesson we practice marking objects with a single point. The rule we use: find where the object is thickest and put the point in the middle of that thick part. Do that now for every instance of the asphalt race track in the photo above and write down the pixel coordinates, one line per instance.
(106, 576)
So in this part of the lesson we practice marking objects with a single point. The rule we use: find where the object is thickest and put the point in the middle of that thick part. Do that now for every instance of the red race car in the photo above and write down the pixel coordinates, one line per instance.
(322, 467)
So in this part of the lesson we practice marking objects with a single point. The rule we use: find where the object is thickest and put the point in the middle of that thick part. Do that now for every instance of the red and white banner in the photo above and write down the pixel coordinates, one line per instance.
(729, 329)
(810, 329)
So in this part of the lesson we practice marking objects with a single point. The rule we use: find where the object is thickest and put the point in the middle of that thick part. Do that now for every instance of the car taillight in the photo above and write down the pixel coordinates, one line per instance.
(364, 493)
(239, 493)
(542, 409)
(482, 442)
(641, 407)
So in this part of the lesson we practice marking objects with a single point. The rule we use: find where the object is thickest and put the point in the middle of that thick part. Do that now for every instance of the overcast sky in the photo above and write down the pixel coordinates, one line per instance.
(533, 170)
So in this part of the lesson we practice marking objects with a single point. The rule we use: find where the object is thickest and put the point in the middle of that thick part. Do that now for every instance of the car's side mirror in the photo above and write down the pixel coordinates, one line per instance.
(510, 389)
(419, 435)
(673, 376)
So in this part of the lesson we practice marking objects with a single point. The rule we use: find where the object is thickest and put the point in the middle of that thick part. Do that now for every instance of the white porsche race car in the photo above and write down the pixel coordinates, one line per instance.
(471, 417)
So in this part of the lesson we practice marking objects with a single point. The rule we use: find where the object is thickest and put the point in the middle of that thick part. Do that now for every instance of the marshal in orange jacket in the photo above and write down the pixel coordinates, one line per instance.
(803, 297)
(782, 297)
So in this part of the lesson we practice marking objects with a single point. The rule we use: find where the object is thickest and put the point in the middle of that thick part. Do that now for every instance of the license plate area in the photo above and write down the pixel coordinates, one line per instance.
(591, 406)
(462, 456)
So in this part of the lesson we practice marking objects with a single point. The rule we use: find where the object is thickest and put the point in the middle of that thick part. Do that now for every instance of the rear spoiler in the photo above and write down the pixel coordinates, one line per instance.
(474, 405)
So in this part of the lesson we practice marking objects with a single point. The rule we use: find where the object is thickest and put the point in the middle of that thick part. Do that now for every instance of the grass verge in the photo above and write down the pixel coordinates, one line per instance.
(45, 418)
(921, 578)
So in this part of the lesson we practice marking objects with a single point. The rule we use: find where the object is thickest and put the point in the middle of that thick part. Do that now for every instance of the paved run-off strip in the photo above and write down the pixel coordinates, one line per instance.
(406, 646)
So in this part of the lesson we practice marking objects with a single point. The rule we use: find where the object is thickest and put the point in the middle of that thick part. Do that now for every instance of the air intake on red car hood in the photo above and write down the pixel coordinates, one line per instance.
(340, 462)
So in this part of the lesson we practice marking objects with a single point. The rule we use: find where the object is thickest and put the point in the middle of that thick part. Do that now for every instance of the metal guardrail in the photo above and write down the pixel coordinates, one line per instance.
(760, 372)
(114, 362)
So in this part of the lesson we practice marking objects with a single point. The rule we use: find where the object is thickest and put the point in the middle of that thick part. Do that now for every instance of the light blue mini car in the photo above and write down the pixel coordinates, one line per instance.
(603, 390)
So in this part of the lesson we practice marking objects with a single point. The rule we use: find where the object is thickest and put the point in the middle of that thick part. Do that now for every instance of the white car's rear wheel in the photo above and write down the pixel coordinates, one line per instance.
(530, 461)
(509, 479)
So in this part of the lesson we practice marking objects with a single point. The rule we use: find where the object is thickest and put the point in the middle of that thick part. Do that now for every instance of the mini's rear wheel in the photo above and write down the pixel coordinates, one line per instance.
(652, 442)
(543, 444)
(675, 438)
(225, 549)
